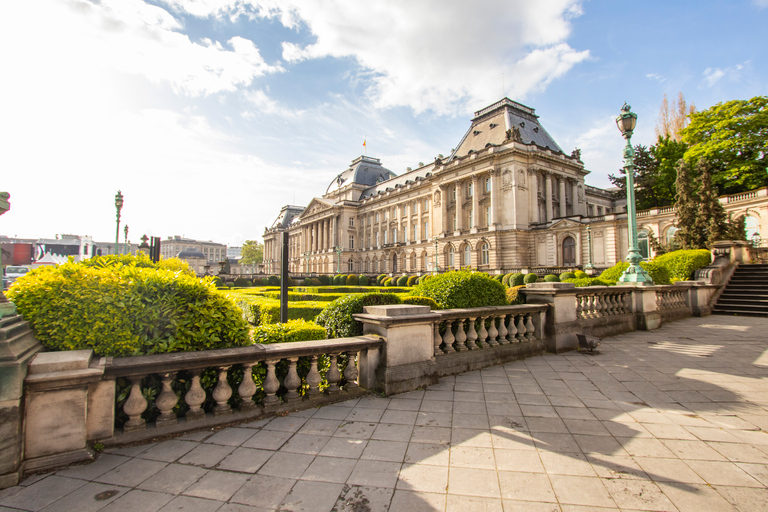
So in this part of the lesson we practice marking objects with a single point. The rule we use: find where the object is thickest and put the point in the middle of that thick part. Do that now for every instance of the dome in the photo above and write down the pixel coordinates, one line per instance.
(364, 170)
(190, 254)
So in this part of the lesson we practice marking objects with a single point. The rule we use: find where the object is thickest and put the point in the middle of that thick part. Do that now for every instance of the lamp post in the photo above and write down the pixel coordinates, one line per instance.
(588, 268)
(435, 256)
(127, 249)
(635, 274)
(339, 249)
(119, 206)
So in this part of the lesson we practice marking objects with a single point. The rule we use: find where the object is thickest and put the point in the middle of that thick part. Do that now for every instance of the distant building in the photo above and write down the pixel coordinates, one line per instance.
(212, 251)
(234, 253)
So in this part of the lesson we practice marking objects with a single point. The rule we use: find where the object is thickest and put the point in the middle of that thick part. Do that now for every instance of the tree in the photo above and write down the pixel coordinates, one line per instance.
(686, 209)
(711, 220)
(733, 136)
(252, 253)
(671, 122)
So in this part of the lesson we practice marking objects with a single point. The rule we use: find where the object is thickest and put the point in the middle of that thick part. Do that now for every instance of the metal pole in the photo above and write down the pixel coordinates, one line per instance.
(118, 206)
(127, 249)
(284, 278)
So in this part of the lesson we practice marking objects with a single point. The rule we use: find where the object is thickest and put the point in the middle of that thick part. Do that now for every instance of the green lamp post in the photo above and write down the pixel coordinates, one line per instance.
(119, 207)
(127, 247)
(635, 274)
(7, 308)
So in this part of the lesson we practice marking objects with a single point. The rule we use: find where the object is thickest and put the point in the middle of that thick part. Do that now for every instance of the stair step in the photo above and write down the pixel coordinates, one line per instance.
(738, 313)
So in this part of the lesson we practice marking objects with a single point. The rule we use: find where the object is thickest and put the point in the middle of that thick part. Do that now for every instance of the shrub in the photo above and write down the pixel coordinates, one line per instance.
(530, 278)
(315, 281)
(307, 281)
(120, 309)
(392, 281)
(498, 277)
(551, 278)
(462, 289)
(412, 281)
(517, 279)
(352, 280)
(514, 296)
(257, 281)
(682, 264)
(218, 282)
(658, 273)
(362, 280)
(420, 301)
(293, 330)
(141, 260)
(402, 281)
(337, 316)
(567, 275)
(289, 281)
(380, 279)
(505, 279)
(258, 310)
(580, 274)
(241, 282)
(587, 281)
(273, 281)
(324, 280)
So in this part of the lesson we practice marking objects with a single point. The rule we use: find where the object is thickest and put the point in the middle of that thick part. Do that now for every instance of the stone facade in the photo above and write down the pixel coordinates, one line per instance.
(507, 199)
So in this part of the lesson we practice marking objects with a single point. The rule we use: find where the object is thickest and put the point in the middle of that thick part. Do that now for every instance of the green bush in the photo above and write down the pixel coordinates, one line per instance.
(587, 281)
(402, 281)
(420, 301)
(658, 273)
(242, 282)
(140, 260)
(293, 330)
(567, 275)
(258, 310)
(257, 281)
(324, 280)
(682, 264)
(517, 279)
(580, 274)
(505, 279)
(514, 296)
(530, 278)
(352, 280)
(119, 308)
(218, 282)
(392, 281)
(380, 279)
(412, 281)
(315, 281)
(551, 278)
(337, 316)
(362, 280)
(498, 277)
(299, 296)
(273, 281)
(307, 281)
(462, 289)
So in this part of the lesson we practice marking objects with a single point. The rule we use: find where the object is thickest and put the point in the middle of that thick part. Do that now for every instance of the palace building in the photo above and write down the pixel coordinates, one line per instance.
(507, 199)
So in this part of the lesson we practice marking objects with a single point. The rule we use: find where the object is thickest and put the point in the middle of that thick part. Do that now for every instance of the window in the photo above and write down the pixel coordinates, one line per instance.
(351, 223)
(426, 231)
(487, 216)
(394, 235)
(350, 265)
(485, 254)
(670, 238)
(367, 265)
(450, 256)
(752, 228)
(375, 265)
(642, 243)
(467, 255)
(590, 210)
(351, 242)
(415, 232)
(426, 205)
(415, 208)
(385, 237)
(385, 216)
(413, 261)
(488, 185)
(424, 261)
(404, 210)
(368, 240)
(455, 226)
(405, 235)
(377, 239)
(470, 189)
(377, 217)
(470, 214)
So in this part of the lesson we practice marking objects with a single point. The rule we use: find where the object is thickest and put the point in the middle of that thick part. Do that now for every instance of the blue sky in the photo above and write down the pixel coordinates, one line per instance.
(210, 115)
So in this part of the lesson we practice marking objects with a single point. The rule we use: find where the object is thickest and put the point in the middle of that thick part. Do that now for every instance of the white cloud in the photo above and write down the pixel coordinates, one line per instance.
(656, 76)
(760, 4)
(432, 54)
(713, 75)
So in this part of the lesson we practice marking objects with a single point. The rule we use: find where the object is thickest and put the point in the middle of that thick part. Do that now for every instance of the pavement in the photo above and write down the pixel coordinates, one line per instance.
(672, 419)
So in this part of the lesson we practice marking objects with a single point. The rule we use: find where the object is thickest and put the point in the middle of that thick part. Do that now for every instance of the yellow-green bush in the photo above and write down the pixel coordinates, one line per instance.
(658, 273)
(682, 264)
(514, 296)
(293, 330)
(462, 289)
(120, 307)
(337, 316)
(420, 301)
(257, 310)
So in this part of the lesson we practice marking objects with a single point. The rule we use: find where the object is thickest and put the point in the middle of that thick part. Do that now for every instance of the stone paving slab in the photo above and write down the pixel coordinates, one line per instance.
(672, 419)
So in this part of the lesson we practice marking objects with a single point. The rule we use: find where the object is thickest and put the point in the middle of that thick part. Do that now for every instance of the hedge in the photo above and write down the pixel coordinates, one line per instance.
(294, 330)
(140, 260)
(362, 280)
(567, 275)
(658, 273)
(324, 280)
(683, 263)
(258, 310)
(587, 281)
(420, 301)
(517, 279)
(580, 274)
(380, 278)
(514, 296)
(462, 289)
(412, 281)
(120, 307)
(242, 282)
(402, 281)
(505, 279)
(337, 316)
(352, 280)
(297, 296)
(551, 278)
(530, 278)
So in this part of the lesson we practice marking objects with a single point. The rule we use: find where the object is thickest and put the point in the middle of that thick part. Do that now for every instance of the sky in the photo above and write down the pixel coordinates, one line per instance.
(210, 115)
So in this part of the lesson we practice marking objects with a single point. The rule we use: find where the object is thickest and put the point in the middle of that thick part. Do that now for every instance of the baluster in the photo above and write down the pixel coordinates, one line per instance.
(313, 377)
(614, 303)
(438, 340)
(247, 388)
(520, 328)
(529, 328)
(333, 376)
(166, 401)
(448, 337)
(221, 394)
(493, 333)
(134, 406)
(195, 397)
(472, 334)
(512, 330)
(502, 330)
(271, 385)
(626, 303)
(350, 372)
(461, 337)
(589, 306)
(482, 334)
(599, 306)
(579, 306)
(292, 381)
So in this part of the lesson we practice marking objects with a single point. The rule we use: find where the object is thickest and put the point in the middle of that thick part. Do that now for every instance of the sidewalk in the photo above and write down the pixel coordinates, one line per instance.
(663, 420)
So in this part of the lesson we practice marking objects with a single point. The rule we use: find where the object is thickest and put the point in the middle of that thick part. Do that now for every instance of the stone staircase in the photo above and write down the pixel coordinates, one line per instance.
(746, 293)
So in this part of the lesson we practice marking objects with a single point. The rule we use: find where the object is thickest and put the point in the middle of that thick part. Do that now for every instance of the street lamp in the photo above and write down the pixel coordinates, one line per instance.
(435, 255)
(635, 274)
(589, 267)
(127, 249)
(339, 249)
(119, 206)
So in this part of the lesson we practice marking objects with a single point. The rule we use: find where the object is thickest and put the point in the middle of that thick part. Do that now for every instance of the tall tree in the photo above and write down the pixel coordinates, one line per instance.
(711, 219)
(733, 136)
(253, 252)
(672, 120)
(686, 208)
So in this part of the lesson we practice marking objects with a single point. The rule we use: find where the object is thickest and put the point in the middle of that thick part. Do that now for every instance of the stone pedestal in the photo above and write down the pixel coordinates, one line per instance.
(17, 347)
(646, 313)
(562, 325)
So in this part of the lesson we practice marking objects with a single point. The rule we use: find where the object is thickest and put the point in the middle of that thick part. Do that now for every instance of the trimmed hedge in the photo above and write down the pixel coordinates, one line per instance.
(551, 278)
(352, 280)
(420, 301)
(412, 281)
(362, 280)
(337, 316)
(683, 263)
(391, 282)
(462, 289)
(505, 279)
(380, 278)
(294, 330)
(242, 282)
(580, 274)
(658, 273)
(588, 281)
(119, 306)
(297, 296)
(140, 260)
(517, 279)
(530, 278)
(567, 275)
(514, 296)
(402, 281)
(257, 310)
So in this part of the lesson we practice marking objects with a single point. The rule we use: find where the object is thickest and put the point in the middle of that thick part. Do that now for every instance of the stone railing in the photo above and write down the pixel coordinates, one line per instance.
(672, 302)
(603, 302)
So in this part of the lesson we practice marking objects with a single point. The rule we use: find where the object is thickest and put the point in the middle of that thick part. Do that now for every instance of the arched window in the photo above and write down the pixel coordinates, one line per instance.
(450, 256)
(669, 238)
(467, 255)
(642, 244)
(752, 228)
(485, 254)
(375, 265)
(569, 251)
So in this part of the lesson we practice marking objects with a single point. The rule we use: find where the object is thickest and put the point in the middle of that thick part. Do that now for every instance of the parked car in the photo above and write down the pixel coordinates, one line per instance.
(12, 273)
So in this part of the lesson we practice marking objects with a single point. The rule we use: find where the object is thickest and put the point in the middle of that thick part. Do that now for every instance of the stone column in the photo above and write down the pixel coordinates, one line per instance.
(475, 201)
(444, 201)
(494, 174)
(574, 197)
(548, 196)
(459, 209)
(578, 247)
(315, 234)
(533, 194)
(335, 235)
(563, 211)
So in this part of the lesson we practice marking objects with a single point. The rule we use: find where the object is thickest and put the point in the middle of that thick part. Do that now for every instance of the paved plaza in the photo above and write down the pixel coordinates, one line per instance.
(672, 419)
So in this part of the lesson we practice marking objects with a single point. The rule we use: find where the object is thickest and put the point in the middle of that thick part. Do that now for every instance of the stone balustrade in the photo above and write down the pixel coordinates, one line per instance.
(603, 301)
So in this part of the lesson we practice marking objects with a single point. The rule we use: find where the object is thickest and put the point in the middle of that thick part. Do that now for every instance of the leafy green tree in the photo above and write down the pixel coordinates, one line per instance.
(733, 136)
(711, 219)
(252, 253)
(686, 209)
